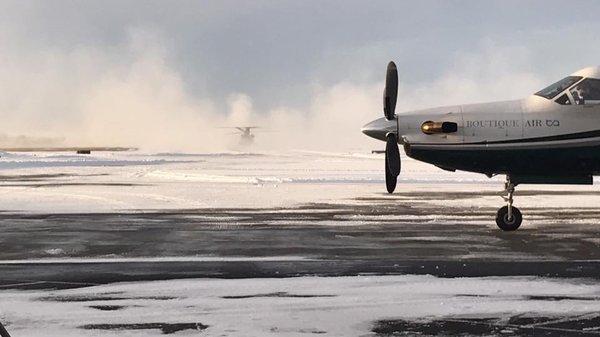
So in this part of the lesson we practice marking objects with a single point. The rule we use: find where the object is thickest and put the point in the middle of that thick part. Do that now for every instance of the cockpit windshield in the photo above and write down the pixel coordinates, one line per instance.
(586, 92)
(558, 87)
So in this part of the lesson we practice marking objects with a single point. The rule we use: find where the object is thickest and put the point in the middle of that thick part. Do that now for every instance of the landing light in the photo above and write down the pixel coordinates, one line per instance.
(431, 128)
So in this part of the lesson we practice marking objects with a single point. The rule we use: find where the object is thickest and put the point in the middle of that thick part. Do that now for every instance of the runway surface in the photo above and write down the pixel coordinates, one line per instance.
(375, 236)
(291, 257)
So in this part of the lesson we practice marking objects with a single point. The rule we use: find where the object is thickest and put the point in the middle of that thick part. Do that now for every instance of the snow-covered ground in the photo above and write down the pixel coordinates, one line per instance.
(104, 182)
(278, 182)
(336, 306)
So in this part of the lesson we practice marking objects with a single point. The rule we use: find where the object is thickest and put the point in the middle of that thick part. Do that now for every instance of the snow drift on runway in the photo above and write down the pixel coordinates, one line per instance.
(337, 306)
(102, 182)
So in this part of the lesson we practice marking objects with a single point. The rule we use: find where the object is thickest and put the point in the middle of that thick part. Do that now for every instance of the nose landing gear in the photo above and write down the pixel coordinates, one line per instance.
(509, 218)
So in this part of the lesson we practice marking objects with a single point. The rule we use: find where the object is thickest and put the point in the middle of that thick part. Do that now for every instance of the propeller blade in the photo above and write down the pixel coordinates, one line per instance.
(393, 154)
(392, 162)
(390, 92)
(390, 179)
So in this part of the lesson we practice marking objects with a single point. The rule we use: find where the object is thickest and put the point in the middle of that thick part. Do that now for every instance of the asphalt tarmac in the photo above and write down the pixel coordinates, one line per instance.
(369, 236)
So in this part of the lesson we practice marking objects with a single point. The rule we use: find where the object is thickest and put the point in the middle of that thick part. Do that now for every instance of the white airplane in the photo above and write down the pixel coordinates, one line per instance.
(551, 137)
(245, 132)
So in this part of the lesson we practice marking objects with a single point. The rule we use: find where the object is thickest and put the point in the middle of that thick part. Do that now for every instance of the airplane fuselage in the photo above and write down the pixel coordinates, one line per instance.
(526, 137)
(534, 139)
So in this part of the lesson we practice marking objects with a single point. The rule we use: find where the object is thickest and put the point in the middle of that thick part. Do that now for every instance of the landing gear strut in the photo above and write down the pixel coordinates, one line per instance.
(509, 218)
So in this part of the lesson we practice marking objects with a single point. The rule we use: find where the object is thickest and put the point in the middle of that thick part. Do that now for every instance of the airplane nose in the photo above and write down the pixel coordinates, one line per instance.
(379, 128)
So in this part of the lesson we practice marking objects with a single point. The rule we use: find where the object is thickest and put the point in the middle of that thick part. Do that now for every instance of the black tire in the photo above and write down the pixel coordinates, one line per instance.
(390, 179)
(504, 223)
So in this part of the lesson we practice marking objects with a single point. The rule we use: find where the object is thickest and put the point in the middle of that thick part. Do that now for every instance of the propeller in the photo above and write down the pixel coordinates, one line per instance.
(392, 153)
(390, 92)
(392, 162)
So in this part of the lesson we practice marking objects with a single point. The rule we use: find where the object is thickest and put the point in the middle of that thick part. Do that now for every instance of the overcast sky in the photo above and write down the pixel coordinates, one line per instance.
(274, 51)
(281, 53)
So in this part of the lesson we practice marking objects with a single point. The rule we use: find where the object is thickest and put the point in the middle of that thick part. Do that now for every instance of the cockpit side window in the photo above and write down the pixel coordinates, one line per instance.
(563, 100)
(587, 92)
(558, 87)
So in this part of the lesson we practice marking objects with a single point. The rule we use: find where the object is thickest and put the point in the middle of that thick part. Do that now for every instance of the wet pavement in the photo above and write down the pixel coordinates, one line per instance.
(518, 325)
(367, 236)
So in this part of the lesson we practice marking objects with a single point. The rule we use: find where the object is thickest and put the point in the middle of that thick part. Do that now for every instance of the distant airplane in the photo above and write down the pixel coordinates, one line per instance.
(551, 137)
(245, 133)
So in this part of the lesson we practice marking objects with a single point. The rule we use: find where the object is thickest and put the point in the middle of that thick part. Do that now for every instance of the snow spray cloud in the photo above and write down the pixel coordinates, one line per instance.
(336, 113)
(130, 96)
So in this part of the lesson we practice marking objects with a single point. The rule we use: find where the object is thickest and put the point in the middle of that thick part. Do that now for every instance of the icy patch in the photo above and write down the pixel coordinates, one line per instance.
(154, 259)
(215, 218)
(212, 178)
(127, 181)
(424, 217)
(17, 164)
(54, 251)
(337, 306)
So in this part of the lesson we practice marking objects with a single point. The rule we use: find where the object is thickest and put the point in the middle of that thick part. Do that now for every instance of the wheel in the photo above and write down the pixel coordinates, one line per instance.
(390, 179)
(504, 223)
